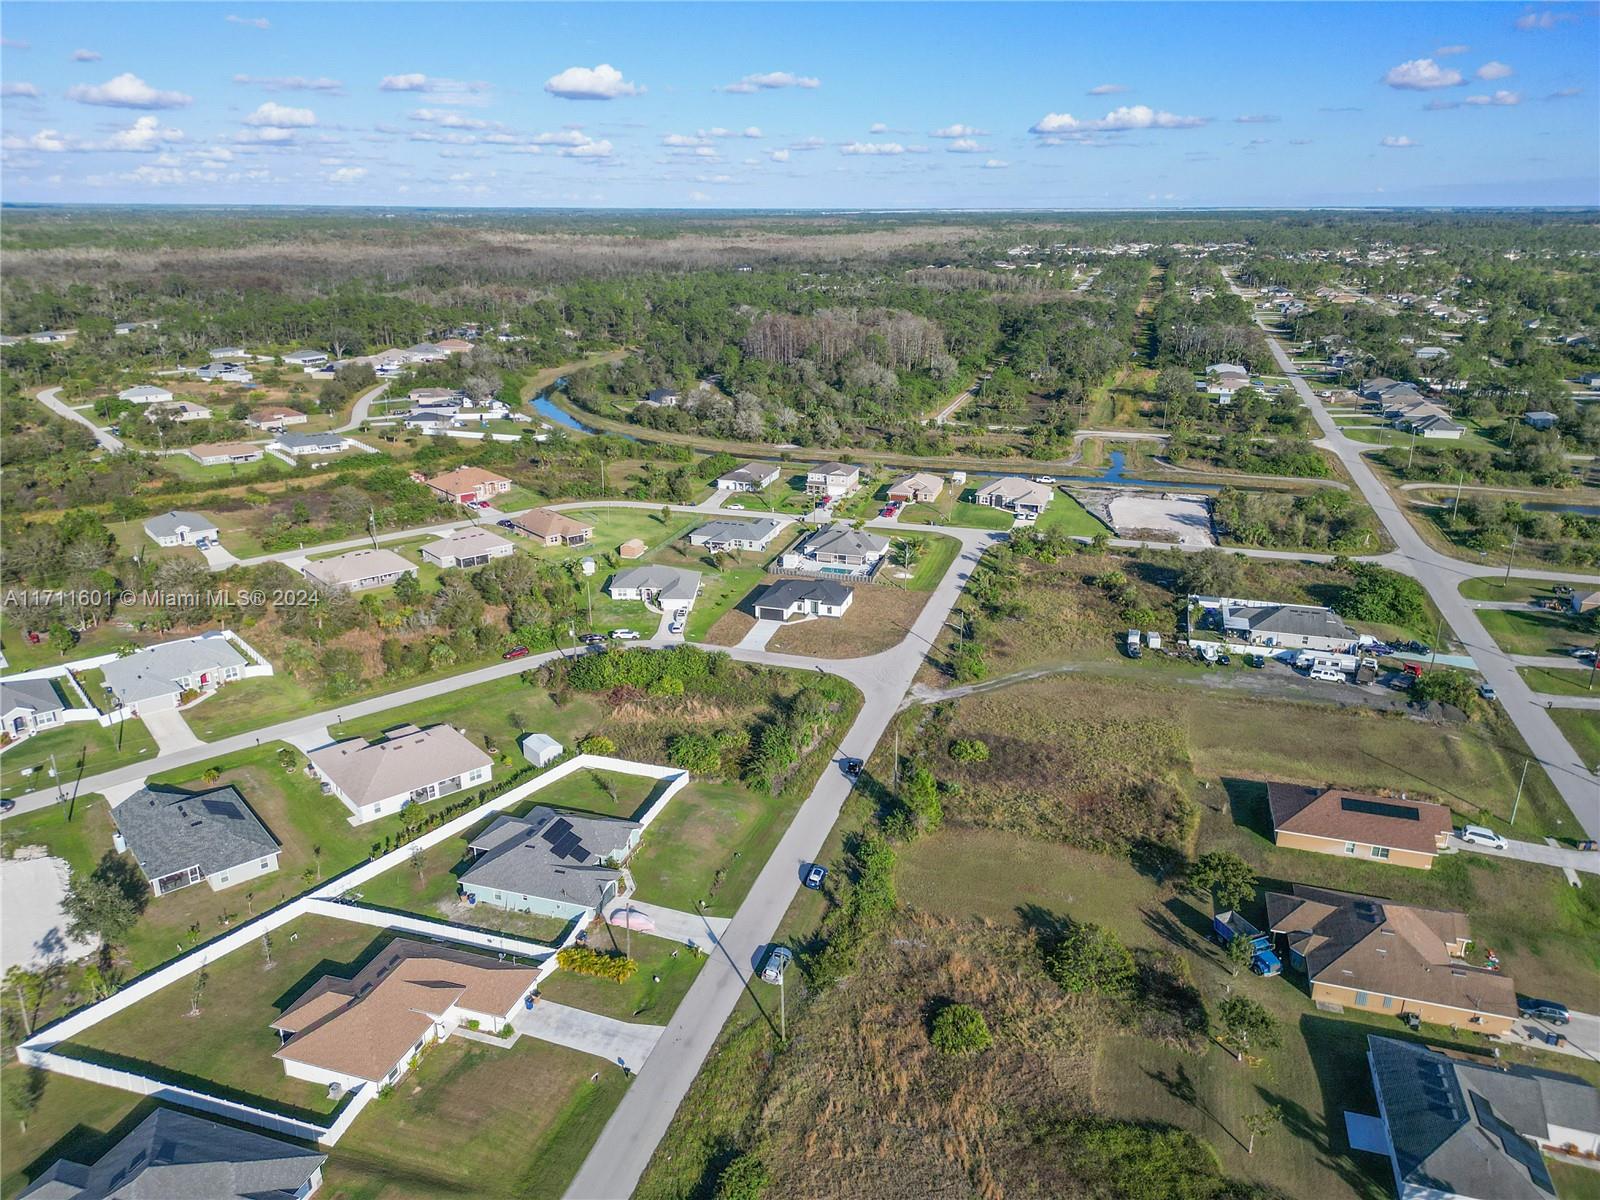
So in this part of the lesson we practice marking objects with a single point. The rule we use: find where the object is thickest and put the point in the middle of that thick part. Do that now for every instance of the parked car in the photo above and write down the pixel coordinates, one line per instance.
(516, 652)
(202, 543)
(1486, 691)
(1543, 1010)
(480, 504)
(778, 960)
(625, 635)
(815, 876)
(851, 767)
(886, 511)
(1478, 835)
(593, 639)
(1255, 660)
(1327, 675)
(1044, 479)
(675, 627)
(506, 523)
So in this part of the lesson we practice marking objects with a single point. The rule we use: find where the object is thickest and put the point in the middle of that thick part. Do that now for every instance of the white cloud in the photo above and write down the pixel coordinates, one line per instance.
(1107, 89)
(877, 127)
(251, 22)
(1543, 20)
(47, 141)
(1421, 75)
(1501, 98)
(564, 137)
(15, 43)
(996, 164)
(1400, 142)
(30, 90)
(878, 148)
(1255, 119)
(604, 82)
(446, 117)
(443, 91)
(348, 175)
(1494, 70)
(587, 149)
(1566, 93)
(146, 133)
(126, 91)
(966, 146)
(86, 56)
(771, 81)
(1447, 51)
(958, 130)
(265, 135)
(778, 155)
(809, 143)
(281, 115)
(292, 83)
(680, 140)
(1135, 116)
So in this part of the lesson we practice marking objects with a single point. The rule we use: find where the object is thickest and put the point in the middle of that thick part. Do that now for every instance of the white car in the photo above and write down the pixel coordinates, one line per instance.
(625, 635)
(1044, 478)
(778, 960)
(1477, 835)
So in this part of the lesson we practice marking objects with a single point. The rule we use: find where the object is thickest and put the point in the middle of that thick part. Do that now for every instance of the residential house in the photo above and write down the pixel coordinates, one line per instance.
(837, 550)
(467, 548)
(1225, 386)
(1473, 1128)
(429, 420)
(920, 488)
(832, 479)
(367, 1029)
(426, 352)
(226, 352)
(145, 393)
(1405, 832)
(1016, 494)
(666, 397)
(308, 360)
(408, 766)
(1224, 368)
(301, 445)
(466, 485)
(227, 372)
(175, 1154)
(1380, 957)
(550, 528)
(180, 838)
(178, 410)
(124, 328)
(48, 337)
(179, 528)
(563, 865)
(221, 454)
(275, 417)
(359, 570)
(430, 397)
(667, 587)
(1581, 602)
(1438, 426)
(29, 705)
(1287, 626)
(736, 535)
(803, 597)
(454, 345)
(541, 749)
(157, 677)
(751, 477)
(1430, 353)
(1541, 419)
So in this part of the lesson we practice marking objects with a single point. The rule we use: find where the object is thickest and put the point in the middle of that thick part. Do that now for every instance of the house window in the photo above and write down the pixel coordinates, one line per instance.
(263, 864)
(1361, 999)
(1388, 1001)
(1380, 852)
(1349, 847)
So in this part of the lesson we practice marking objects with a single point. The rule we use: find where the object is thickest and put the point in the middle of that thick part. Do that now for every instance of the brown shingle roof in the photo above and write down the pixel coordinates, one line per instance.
(1346, 816)
(464, 479)
(544, 523)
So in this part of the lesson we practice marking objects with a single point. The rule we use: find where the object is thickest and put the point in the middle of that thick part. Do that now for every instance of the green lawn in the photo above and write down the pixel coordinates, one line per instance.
(1493, 587)
(719, 593)
(1572, 682)
(1582, 729)
(961, 512)
(1066, 515)
(642, 999)
(228, 1047)
(614, 526)
(249, 704)
(937, 555)
(80, 749)
(23, 655)
(1531, 632)
(476, 1120)
(74, 1120)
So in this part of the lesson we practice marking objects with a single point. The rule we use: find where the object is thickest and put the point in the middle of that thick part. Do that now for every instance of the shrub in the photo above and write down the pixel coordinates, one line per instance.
(960, 1029)
(597, 743)
(1090, 958)
(1226, 876)
(1444, 686)
(700, 753)
(745, 1178)
(1376, 593)
(969, 750)
(584, 960)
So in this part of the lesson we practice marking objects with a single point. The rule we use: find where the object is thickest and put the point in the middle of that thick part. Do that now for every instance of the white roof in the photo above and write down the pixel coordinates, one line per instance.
(467, 542)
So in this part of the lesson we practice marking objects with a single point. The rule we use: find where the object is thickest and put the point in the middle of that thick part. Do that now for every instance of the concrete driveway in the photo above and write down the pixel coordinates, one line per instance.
(1582, 1034)
(1550, 856)
(170, 730)
(35, 929)
(759, 634)
(619, 1042)
(691, 929)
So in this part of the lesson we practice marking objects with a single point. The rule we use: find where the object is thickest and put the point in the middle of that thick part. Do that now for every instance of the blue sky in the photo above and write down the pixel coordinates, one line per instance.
(812, 106)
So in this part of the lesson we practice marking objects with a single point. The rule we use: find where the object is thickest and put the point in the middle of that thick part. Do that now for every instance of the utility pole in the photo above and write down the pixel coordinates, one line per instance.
(1593, 663)
(1511, 557)
(1525, 764)
(783, 1011)
(1455, 510)
(372, 525)
(1412, 453)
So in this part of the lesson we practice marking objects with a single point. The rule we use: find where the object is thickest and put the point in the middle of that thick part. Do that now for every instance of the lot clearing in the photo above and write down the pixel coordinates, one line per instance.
(1171, 517)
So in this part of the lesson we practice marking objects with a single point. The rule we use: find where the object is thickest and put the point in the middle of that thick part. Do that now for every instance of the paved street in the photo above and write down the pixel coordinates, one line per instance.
(51, 399)
(1536, 852)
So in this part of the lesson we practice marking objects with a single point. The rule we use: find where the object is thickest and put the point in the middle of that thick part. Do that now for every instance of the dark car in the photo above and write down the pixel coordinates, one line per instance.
(1543, 1010)
(593, 639)
(7, 805)
(516, 652)
(815, 875)
(851, 767)
(506, 523)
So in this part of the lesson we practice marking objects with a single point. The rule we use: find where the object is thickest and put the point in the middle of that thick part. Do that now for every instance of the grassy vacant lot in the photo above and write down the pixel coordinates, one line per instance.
(250, 704)
(641, 999)
(228, 1047)
(476, 1120)
(81, 748)
(1066, 515)
(1582, 730)
(1573, 682)
(1531, 632)
(879, 617)
(962, 512)
(614, 526)
(1493, 587)
(23, 655)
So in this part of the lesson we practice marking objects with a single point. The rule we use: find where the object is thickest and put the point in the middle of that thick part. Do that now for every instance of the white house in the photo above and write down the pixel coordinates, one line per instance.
(310, 360)
(227, 372)
(29, 705)
(179, 528)
(837, 549)
(409, 766)
(178, 410)
(668, 587)
(359, 570)
(832, 479)
(217, 454)
(1016, 494)
(736, 535)
(467, 548)
(803, 597)
(1287, 626)
(300, 445)
(157, 677)
(752, 477)
(145, 393)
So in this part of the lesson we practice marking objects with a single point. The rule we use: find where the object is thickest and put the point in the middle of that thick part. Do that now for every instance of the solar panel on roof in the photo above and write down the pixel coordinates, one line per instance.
(1377, 808)
(578, 854)
(567, 842)
(556, 830)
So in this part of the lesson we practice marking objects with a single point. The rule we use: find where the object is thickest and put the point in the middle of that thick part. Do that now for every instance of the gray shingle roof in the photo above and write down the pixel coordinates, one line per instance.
(519, 854)
(311, 441)
(169, 830)
(843, 540)
(1299, 620)
(168, 524)
(172, 1155)
(155, 670)
(669, 583)
(731, 531)
(39, 695)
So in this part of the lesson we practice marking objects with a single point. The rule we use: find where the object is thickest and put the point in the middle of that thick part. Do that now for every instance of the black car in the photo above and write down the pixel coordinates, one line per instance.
(593, 639)
(851, 767)
(1543, 1010)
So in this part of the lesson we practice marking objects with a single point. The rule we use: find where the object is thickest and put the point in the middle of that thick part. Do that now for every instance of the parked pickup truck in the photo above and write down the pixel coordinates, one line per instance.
(1228, 925)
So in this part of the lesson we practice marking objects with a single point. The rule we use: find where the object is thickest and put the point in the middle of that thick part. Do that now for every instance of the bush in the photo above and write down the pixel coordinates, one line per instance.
(1376, 593)
(1090, 958)
(960, 1029)
(1226, 876)
(969, 750)
(700, 753)
(1444, 686)
(745, 1178)
(597, 743)
(584, 960)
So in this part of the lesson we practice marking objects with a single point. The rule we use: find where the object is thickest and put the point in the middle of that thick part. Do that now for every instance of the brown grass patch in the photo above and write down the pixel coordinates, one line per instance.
(879, 617)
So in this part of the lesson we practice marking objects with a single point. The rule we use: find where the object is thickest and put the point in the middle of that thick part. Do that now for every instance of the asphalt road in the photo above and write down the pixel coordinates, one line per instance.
(51, 399)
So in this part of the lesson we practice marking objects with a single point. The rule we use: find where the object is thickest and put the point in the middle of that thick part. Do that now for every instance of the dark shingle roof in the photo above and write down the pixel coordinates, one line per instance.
(788, 592)
(169, 830)
(555, 856)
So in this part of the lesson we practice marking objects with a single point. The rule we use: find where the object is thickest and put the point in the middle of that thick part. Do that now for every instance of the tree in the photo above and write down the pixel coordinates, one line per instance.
(1247, 1023)
(1090, 958)
(1226, 876)
(745, 1178)
(197, 991)
(1240, 951)
(920, 796)
(407, 590)
(23, 1089)
(1210, 573)
(960, 1029)
(1376, 593)
(27, 988)
(288, 759)
(1444, 686)
(666, 514)
(1260, 1124)
(105, 903)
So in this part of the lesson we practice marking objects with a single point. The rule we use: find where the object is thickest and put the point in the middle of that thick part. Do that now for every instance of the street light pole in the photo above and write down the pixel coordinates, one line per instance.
(1525, 764)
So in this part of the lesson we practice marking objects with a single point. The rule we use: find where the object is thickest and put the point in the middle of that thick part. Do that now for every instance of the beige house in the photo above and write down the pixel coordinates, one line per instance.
(467, 484)
(1381, 957)
(275, 416)
(1016, 494)
(359, 569)
(467, 548)
(408, 766)
(550, 528)
(920, 488)
(1407, 833)
(832, 479)
(217, 454)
